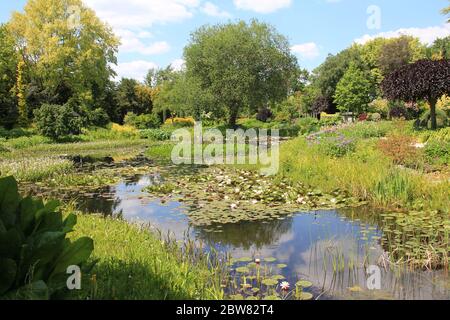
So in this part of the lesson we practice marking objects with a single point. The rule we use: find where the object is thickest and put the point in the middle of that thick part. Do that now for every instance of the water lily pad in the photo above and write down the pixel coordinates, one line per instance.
(278, 277)
(304, 296)
(270, 259)
(304, 284)
(242, 270)
(281, 266)
(270, 282)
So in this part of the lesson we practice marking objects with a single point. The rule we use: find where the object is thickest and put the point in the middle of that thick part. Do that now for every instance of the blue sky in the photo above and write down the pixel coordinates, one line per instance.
(154, 32)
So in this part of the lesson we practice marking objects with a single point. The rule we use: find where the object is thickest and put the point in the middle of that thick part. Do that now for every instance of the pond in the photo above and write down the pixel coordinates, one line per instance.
(328, 248)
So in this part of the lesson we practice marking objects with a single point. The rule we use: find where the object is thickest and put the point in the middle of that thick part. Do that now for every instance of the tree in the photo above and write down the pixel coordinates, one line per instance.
(328, 74)
(425, 79)
(132, 96)
(68, 52)
(56, 121)
(8, 65)
(398, 52)
(240, 65)
(354, 91)
(446, 11)
(440, 49)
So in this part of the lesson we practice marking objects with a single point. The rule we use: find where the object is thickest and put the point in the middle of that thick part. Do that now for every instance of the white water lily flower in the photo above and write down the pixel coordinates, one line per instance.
(233, 206)
(334, 200)
(300, 200)
(254, 201)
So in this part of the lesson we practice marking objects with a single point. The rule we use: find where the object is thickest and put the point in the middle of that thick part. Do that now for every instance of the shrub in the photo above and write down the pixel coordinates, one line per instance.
(180, 122)
(308, 125)
(55, 121)
(26, 142)
(330, 119)
(367, 130)
(401, 150)
(337, 147)
(376, 117)
(34, 249)
(438, 152)
(380, 106)
(98, 118)
(143, 121)
(155, 134)
(441, 118)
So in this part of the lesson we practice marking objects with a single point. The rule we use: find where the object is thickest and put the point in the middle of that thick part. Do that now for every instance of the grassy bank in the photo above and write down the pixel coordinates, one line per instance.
(352, 159)
(134, 263)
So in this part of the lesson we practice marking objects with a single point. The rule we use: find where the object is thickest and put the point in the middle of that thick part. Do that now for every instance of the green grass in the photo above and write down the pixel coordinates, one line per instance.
(135, 264)
(35, 170)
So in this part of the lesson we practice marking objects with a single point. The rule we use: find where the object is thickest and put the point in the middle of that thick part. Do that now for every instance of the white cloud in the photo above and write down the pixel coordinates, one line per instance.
(133, 14)
(133, 42)
(262, 6)
(135, 69)
(308, 50)
(178, 64)
(214, 11)
(426, 35)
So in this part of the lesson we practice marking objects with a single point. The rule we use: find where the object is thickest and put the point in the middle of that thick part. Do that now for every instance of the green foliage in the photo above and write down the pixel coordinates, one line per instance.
(35, 251)
(354, 91)
(98, 117)
(143, 121)
(156, 134)
(398, 52)
(308, 125)
(437, 149)
(8, 61)
(56, 121)
(263, 72)
(61, 61)
(425, 79)
(442, 120)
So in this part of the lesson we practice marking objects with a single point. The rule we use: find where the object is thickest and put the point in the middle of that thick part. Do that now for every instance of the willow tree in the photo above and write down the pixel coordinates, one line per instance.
(242, 66)
(67, 50)
(424, 80)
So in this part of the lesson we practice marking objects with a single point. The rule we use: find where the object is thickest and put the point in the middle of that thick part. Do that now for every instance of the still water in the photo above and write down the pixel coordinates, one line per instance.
(328, 248)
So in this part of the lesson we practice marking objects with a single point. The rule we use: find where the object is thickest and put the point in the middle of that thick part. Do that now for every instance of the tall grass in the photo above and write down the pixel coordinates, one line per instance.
(134, 263)
(35, 170)
(366, 174)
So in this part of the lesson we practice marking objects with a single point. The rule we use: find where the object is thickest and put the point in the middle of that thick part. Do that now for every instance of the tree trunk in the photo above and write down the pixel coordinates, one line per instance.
(233, 116)
(433, 102)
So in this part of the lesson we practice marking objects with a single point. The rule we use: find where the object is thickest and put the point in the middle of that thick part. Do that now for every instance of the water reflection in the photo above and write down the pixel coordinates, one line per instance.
(329, 248)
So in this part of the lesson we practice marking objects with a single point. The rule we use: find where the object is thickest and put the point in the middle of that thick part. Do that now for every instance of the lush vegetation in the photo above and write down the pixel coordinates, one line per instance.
(35, 251)
(65, 124)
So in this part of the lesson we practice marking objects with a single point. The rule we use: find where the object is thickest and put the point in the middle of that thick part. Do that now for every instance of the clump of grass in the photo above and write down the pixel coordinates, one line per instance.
(35, 170)
(134, 263)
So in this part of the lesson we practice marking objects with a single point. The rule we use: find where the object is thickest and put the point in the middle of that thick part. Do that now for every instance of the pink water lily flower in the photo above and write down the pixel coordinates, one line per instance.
(285, 286)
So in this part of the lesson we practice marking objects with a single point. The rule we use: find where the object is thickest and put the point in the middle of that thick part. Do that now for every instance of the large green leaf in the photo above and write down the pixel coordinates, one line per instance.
(27, 211)
(9, 201)
(69, 223)
(74, 254)
(10, 242)
(8, 271)
(35, 291)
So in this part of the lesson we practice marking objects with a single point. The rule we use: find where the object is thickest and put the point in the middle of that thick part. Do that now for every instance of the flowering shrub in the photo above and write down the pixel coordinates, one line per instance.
(401, 150)
(182, 122)
(332, 143)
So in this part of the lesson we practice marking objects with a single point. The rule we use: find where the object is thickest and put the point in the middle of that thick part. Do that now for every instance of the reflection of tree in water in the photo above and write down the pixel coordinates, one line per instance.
(366, 214)
(246, 234)
(100, 202)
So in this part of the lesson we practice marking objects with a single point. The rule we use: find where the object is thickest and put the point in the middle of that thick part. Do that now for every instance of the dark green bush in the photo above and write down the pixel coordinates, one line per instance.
(143, 121)
(98, 118)
(55, 121)
(34, 250)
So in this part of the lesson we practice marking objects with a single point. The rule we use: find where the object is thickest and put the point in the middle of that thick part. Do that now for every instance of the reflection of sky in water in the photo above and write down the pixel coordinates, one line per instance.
(306, 242)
